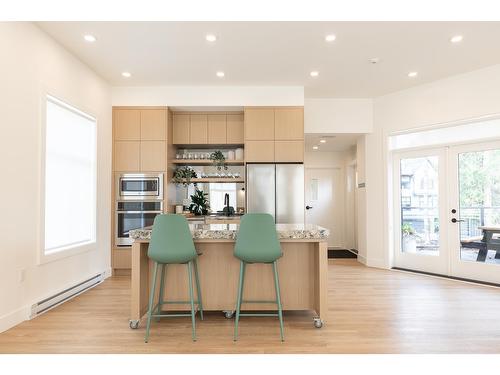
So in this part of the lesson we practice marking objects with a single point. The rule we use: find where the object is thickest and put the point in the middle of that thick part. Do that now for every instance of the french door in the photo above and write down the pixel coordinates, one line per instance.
(447, 211)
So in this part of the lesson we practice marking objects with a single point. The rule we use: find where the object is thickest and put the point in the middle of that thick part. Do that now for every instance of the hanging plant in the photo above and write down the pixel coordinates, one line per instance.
(218, 159)
(183, 175)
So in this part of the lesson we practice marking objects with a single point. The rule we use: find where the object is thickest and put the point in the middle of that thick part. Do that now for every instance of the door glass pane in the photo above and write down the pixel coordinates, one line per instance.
(479, 184)
(419, 193)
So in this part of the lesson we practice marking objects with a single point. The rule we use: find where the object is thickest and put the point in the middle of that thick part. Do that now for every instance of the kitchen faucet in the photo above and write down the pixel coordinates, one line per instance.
(226, 203)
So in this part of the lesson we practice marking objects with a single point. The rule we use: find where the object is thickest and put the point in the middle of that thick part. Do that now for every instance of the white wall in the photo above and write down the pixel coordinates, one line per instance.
(209, 96)
(31, 61)
(456, 98)
(334, 115)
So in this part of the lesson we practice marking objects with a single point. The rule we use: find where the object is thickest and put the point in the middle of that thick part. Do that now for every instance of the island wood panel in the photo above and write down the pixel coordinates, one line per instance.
(217, 129)
(288, 124)
(259, 124)
(180, 128)
(127, 156)
(300, 270)
(259, 151)
(289, 151)
(235, 129)
(127, 124)
(198, 129)
(153, 124)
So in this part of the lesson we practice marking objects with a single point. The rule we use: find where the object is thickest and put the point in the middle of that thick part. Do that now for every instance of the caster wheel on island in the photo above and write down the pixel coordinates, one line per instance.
(228, 314)
(133, 324)
(318, 323)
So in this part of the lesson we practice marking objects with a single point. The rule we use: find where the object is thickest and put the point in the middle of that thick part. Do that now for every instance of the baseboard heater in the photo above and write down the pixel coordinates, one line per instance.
(58, 298)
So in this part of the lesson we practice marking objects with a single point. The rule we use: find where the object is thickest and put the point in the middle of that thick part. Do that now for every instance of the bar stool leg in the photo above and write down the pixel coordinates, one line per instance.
(238, 301)
(162, 290)
(191, 297)
(151, 300)
(278, 298)
(198, 290)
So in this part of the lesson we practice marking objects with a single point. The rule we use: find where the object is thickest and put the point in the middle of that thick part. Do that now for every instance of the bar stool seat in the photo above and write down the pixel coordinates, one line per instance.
(172, 243)
(257, 242)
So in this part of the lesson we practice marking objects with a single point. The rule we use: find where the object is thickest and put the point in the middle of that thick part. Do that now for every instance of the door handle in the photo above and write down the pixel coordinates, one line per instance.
(456, 221)
(308, 207)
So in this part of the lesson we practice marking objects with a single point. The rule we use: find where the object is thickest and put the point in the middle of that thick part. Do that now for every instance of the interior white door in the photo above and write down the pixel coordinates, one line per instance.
(420, 211)
(325, 202)
(474, 211)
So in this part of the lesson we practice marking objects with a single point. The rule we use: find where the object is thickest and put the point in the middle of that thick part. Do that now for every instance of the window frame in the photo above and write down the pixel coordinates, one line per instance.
(70, 250)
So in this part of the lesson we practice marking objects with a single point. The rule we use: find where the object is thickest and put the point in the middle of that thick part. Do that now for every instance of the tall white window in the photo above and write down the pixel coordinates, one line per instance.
(69, 179)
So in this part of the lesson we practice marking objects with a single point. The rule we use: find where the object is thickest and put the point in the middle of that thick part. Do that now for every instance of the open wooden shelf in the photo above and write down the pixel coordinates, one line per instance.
(205, 162)
(218, 179)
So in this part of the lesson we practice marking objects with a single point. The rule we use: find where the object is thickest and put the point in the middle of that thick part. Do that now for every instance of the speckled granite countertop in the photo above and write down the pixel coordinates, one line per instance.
(229, 231)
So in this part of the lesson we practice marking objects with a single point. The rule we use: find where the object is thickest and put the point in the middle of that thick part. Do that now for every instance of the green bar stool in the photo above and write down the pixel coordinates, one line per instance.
(172, 243)
(257, 242)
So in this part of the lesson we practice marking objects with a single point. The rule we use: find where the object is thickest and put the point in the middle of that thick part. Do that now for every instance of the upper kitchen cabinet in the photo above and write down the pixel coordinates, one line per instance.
(198, 130)
(288, 124)
(259, 124)
(153, 124)
(181, 125)
(127, 124)
(217, 129)
(235, 129)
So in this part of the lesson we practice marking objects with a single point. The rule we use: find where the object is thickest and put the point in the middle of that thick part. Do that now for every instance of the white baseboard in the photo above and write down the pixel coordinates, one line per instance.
(18, 316)
(13, 318)
(361, 259)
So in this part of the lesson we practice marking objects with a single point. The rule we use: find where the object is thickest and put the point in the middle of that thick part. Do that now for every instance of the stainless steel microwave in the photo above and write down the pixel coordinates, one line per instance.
(139, 186)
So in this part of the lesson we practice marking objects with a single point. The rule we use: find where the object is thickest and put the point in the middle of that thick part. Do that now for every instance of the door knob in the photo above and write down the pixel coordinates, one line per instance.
(455, 220)
(308, 207)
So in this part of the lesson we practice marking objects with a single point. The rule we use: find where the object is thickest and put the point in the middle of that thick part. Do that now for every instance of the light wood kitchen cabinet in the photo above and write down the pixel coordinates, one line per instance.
(289, 151)
(153, 156)
(259, 151)
(127, 156)
(198, 130)
(216, 129)
(180, 131)
(288, 124)
(127, 124)
(259, 124)
(235, 129)
(153, 124)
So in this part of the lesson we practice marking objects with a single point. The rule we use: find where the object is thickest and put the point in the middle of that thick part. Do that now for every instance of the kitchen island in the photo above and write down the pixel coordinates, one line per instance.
(303, 272)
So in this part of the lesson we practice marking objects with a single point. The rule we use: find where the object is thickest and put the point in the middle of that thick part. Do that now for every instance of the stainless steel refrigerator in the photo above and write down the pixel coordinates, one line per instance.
(277, 189)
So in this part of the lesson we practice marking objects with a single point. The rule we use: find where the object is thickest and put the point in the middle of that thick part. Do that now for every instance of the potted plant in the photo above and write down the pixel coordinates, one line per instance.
(199, 203)
(218, 159)
(409, 238)
(183, 175)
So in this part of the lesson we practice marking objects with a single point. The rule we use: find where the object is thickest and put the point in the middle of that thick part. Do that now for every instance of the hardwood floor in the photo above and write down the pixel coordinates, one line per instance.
(370, 311)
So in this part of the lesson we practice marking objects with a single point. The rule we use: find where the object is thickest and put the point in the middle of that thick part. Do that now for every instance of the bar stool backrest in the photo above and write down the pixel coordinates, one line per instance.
(171, 240)
(257, 240)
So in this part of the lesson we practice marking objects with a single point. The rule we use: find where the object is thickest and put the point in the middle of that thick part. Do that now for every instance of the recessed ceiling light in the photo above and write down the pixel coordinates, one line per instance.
(315, 147)
(220, 74)
(412, 74)
(126, 74)
(89, 38)
(211, 37)
(314, 73)
(456, 39)
(330, 38)
(322, 141)
(374, 60)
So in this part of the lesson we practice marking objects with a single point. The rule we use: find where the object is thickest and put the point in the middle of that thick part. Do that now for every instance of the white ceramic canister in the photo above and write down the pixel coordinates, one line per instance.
(239, 154)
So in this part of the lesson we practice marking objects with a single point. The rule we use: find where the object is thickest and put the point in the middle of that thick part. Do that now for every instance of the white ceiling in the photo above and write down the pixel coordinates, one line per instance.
(334, 142)
(281, 53)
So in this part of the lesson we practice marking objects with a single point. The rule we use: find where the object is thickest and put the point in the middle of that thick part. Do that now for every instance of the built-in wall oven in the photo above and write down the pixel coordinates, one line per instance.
(134, 215)
(139, 186)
